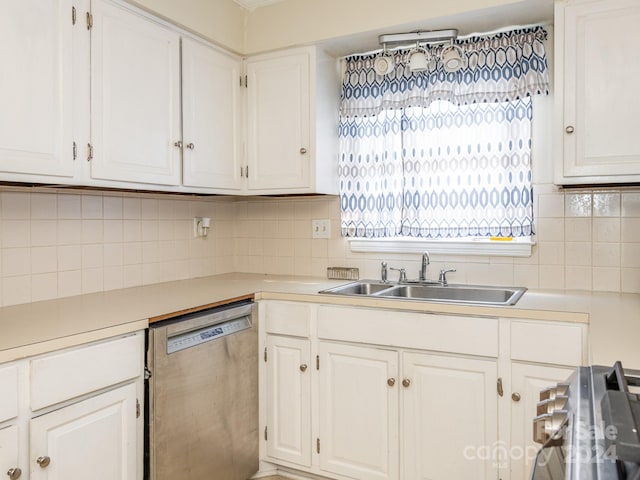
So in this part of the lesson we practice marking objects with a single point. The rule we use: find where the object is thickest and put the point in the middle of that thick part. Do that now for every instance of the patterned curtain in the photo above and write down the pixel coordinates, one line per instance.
(439, 155)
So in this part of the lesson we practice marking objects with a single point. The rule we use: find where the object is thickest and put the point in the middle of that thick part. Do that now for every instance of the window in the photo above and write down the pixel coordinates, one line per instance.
(439, 155)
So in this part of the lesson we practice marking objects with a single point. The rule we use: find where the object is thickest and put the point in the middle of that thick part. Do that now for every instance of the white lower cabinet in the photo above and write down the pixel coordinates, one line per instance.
(527, 380)
(289, 399)
(450, 416)
(381, 394)
(74, 414)
(358, 411)
(9, 459)
(96, 435)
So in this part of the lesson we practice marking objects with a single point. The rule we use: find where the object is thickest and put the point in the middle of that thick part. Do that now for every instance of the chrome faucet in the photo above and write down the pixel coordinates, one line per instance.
(425, 262)
(383, 272)
(403, 274)
(442, 279)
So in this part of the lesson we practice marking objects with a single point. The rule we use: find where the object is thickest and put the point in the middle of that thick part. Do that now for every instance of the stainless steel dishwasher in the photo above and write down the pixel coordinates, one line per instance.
(202, 402)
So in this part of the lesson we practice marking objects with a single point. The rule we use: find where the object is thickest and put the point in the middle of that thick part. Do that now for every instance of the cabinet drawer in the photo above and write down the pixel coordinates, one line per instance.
(424, 331)
(9, 397)
(287, 318)
(544, 342)
(71, 373)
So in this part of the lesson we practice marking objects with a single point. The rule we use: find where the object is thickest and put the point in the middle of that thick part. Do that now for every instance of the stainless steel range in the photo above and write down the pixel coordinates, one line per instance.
(589, 426)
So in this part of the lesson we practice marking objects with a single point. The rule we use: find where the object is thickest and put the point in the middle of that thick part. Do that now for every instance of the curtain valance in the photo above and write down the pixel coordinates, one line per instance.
(504, 67)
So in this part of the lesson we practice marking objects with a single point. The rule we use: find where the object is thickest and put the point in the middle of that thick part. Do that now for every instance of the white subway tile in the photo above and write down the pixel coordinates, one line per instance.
(69, 232)
(92, 257)
(16, 290)
(132, 208)
(578, 278)
(16, 233)
(551, 205)
(113, 254)
(44, 232)
(44, 286)
(606, 255)
(606, 204)
(69, 283)
(69, 257)
(606, 279)
(92, 280)
(15, 205)
(149, 209)
(131, 276)
(92, 206)
(113, 208)
(92, 231)
(44, 205)
(113, 277)
(16, 261)
(113, 231)
(69, 206)
(630, 204)
(577, 205)
(44, 260)
(606, 229)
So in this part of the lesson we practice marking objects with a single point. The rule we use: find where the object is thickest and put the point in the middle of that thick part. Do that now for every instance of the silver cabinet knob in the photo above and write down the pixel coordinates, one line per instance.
(515, 396)
(303, 150)
(391, 382)
(569, 129)
(14, 473)
(303, 367)
(190, 146)
(406, 382)
(43, 461)
(177, 144)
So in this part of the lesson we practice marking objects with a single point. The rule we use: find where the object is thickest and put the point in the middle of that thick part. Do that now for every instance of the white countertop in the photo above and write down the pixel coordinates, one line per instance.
(39, 327)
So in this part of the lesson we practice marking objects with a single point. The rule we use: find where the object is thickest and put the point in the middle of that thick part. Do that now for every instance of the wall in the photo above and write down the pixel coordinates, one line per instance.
(59, 243)
(296, 22)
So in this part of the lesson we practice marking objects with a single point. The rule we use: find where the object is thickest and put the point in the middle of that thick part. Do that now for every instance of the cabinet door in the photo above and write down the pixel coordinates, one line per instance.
(600, 105)
(527, 380)
(36, 87)
(278, 122)
(94, 438)
(289, 399)
(211, 117)
(135, 104)
(450, 417)
(9, 442)
(358, 411)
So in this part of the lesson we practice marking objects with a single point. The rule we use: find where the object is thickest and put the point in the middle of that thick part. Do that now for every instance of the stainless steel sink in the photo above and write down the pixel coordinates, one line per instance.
(464, 294)
(457, 293)
(359, 288)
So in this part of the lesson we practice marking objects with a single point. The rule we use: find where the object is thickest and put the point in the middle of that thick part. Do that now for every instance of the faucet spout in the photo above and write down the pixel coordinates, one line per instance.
(425, 262)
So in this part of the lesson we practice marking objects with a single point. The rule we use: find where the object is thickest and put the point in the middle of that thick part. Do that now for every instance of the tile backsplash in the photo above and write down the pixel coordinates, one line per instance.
(57, 243)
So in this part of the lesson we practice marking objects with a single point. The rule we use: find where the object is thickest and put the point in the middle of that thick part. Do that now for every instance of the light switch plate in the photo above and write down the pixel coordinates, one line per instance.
(321, 228)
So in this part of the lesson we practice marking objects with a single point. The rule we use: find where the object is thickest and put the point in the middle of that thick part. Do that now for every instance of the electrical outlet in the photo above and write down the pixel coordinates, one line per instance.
(320, 228)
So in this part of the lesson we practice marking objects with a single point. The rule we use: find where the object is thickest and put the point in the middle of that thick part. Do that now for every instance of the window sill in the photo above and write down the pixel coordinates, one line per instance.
(518, 247)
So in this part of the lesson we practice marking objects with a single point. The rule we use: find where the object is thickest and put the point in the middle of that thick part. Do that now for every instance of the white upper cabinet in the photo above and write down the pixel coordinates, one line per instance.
(135, 105)
(139, 103)
(292, 112)
(596, 92)
(211, 117)
(36, 88)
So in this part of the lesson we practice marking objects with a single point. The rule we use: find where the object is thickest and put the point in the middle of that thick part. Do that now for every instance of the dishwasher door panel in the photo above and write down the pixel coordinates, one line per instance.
(204, 408)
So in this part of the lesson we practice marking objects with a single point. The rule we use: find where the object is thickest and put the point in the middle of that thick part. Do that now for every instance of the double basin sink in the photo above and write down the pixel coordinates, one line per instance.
(431, 292)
